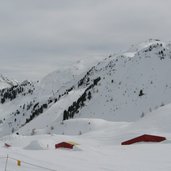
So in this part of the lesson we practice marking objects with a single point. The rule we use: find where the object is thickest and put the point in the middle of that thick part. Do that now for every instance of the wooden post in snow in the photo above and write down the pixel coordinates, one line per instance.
(6, 163)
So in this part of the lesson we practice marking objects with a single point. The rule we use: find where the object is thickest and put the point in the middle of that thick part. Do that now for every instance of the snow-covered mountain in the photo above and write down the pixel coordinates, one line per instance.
(122, 87)
(6, 82)
(128, 85)
(119, 98)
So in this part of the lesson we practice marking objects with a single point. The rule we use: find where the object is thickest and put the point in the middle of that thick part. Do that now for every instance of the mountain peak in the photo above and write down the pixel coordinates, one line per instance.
(143, 45)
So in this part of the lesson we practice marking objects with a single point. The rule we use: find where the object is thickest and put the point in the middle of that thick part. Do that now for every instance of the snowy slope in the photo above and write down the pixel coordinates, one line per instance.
(122, 87)
(25, 102)
(6, 82)
(99, 148)
(156, 121)
(130, 86)
(67, 75)
(127, 85)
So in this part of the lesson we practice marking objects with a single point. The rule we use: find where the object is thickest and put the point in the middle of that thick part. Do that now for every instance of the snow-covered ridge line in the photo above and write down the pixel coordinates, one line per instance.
(6, 82)
(150, 57)
(130, 85)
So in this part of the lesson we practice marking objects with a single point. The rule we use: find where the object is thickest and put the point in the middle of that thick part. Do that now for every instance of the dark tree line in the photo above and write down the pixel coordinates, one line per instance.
(39, 109)
(74, 108)
(12, 92)
(36, 111)
(85, 80)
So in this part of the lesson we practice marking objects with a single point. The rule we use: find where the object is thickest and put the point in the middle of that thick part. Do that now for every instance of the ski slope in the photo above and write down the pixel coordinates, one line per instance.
(99, 146)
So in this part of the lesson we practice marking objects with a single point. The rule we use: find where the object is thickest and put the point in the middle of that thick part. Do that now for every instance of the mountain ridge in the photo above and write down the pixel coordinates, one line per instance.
(122, 87)
(6, 82)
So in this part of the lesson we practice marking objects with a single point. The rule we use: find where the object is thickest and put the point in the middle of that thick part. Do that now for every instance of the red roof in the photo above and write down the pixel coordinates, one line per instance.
(64, 145)
(144, 138)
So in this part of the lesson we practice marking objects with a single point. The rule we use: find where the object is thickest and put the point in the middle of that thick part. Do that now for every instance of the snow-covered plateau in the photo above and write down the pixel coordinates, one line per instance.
(121, 97)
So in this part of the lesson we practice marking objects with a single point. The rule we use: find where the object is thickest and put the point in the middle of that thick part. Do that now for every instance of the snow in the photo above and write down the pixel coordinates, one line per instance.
(157, 120)
(36, 145)
(54, 113)
(141, 68)
(67, 75)
(6, 82)
(115, 113)
(143, 45)
(99, 148)
(129, 54)
(106, 158)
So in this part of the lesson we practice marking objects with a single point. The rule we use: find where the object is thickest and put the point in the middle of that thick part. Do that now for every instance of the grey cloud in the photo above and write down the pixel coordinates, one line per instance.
(41, 30)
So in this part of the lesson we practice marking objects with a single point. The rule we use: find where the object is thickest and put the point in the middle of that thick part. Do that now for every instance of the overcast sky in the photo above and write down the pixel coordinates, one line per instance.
(38, 36)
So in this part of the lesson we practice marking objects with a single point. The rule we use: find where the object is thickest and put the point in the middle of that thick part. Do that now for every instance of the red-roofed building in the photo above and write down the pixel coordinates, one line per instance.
(144, 138)
(69, 145)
